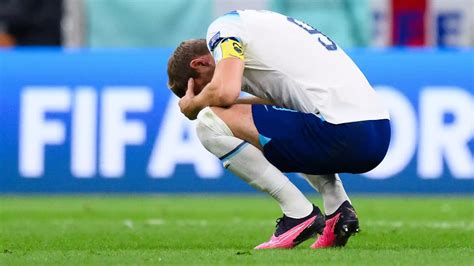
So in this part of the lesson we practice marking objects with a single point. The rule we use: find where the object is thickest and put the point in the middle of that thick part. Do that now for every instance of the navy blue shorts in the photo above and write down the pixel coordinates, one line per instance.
(299, 142)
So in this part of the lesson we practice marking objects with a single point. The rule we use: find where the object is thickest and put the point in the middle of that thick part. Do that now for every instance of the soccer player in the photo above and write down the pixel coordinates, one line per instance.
(314, 112)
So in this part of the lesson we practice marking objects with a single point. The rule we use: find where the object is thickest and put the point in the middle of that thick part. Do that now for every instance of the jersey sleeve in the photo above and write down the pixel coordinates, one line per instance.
(225, 37)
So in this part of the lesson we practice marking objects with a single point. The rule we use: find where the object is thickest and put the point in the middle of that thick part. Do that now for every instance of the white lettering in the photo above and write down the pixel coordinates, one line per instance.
(449, 141)
(84, 127)
(171, 149)
(35, 131)
(116, 131)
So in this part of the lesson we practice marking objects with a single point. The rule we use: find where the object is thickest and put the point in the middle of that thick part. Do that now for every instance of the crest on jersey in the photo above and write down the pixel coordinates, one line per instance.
(214, 41)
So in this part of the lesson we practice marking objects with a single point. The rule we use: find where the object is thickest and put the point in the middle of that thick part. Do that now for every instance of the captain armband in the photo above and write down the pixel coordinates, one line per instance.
(228, 47)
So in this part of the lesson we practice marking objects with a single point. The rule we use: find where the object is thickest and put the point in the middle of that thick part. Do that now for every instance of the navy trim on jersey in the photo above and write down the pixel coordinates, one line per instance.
(232, 13)
(216, 40)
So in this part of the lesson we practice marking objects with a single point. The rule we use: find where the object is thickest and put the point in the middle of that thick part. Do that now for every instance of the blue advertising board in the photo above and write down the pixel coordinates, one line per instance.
(104, 121)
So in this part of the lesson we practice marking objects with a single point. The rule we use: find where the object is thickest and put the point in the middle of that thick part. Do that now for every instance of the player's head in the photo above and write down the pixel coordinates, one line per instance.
(191, 59)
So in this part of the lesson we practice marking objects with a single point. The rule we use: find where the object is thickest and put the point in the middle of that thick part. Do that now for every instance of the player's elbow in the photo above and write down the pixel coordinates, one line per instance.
(226, 94)
(228, 97)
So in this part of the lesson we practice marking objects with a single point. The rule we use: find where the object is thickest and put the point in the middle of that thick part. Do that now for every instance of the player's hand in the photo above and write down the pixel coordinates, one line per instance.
(186, 103)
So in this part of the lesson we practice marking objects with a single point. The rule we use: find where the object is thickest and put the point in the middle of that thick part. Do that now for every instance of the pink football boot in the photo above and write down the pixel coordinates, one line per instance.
(339, 227)
(290, 232)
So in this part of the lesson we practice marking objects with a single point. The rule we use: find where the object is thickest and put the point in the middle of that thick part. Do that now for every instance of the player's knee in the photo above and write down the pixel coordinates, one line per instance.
(210, 123)
(210, 129)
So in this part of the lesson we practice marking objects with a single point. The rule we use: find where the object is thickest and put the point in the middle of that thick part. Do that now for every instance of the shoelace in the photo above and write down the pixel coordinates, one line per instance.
(279, 221)
(281, 225)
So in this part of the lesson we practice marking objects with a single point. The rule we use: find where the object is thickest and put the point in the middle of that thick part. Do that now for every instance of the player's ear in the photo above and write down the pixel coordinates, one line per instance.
(201, 61)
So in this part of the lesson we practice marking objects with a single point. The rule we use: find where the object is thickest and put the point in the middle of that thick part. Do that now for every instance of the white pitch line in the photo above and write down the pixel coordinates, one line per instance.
(461, 225)
(192, 223)
(155, 222)
(178, 222)
(465, 225)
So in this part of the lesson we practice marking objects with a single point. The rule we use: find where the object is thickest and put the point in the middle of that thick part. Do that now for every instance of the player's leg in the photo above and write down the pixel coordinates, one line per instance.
(329, 186)
(226, 133)
(299, 142)
(231, 136)
(331, 189)
(341, 218)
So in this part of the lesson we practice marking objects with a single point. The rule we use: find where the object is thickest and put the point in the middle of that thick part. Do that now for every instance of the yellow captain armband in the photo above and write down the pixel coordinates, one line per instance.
(229, 48)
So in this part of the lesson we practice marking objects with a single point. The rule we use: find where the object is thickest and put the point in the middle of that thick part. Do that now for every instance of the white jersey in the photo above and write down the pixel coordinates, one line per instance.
(297, 67)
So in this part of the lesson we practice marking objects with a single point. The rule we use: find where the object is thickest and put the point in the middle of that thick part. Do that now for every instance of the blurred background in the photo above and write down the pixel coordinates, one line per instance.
(85, 108)
(158, 23)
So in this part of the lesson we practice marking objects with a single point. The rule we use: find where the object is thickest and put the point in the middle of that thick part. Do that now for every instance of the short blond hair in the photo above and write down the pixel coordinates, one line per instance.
(179, 70)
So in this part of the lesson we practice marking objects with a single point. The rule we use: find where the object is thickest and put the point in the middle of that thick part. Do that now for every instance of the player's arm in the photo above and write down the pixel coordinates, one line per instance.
(225, 86)
(223, 90)
(254, 100)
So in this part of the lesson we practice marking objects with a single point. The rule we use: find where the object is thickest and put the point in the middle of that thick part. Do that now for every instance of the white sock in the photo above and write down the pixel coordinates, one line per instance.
(248, 162)
(331, 189)
(250, 165)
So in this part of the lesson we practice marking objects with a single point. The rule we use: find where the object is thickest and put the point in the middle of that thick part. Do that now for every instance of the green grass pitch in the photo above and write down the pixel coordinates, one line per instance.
(222, 230)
